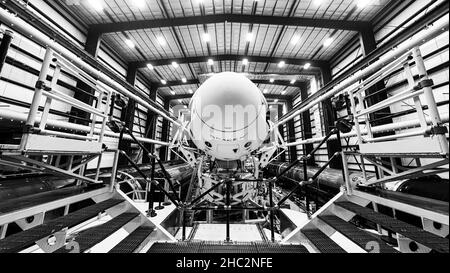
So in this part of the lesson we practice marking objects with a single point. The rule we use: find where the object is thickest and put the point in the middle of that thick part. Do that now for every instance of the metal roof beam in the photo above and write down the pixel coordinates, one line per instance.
(298, 84)
(267, 96)
(231, 18)
(230, 57)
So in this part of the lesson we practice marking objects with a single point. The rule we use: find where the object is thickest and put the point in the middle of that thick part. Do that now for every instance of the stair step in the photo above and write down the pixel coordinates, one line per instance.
(356, 235)
(414, 233)
(29, 201)
(24, 239)
(211, 247)
(322, 242)
(133, 241)
(95, 235)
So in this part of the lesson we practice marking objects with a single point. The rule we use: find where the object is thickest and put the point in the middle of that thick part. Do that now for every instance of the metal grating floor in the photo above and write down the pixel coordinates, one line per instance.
(356, 235)
(414, 233)
(220, 247)
(132, 241)
(322, 242)
(95, 235)
(24, 239)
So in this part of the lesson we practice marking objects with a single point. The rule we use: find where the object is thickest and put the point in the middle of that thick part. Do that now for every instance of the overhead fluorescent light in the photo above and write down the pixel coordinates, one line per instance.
(281, 64)
(130, 43)
(139, 3)
(161, 40)
(96, 4)
(210, 62)
(245, 62)
(307, 66)
(328, 42)
(272, 80)
(206, 37)
(293, 81)
(184, 80)
(249, 37)
(175, 64)
(150, 66)
(164, 82)
(295, 39)
(362, 3)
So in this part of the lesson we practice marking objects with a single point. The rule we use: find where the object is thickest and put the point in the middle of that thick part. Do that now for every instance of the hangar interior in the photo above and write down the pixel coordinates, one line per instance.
(95, 108)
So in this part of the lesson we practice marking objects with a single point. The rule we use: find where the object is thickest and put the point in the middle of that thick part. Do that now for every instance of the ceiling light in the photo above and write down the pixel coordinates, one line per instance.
(295, 40)
(180, 101)
(272, 80)
(293, 81)
(328, 42)
(245, 62)
(150, 66)
(362, 3)
(184, 80)
(96, 4)
(283, 92)
(318, 2)
(190, 91)
(139, 3)
(307, 66)
(281, 64)
(130, 43)
(210, 62)
(249, 37)
(161, 40)
(175, 64)
(172, 92)
(164, 82)
(276, 101)
(266, 91)
(206, 37)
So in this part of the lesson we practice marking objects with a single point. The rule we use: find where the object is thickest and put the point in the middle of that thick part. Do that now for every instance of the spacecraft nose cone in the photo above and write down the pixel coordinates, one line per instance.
(231, 96)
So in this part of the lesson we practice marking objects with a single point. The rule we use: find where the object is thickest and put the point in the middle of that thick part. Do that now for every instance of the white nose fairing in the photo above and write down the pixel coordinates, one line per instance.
(228, 117)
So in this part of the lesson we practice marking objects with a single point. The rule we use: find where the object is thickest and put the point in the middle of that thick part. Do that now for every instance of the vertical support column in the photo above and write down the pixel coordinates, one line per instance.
(127, 116)
(228, 206)
(271, 212)
(150, 127)
(281, 130)
(329, 116)
(4, 47)
(306, 127)
(31, 119)
(291, 135)
(86, 93)
(376, 93)
(163, 152)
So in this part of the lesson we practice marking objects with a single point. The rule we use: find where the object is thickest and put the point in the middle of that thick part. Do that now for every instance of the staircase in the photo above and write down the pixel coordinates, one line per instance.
(112, 224)
(332, 229)
(221, 247)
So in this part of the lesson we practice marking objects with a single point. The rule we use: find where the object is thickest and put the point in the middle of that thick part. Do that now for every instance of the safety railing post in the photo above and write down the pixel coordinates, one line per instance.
(34, 107)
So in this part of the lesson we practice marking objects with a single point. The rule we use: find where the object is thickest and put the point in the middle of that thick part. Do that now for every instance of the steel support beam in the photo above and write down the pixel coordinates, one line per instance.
(291, 135)
(4, 47)
(267, 96)
(196, 81)
(281, 130)
(127, 116)
(329, 118)
(306, 127)
(163, 152)
(150, 126)
(230, 18)
(231, 57)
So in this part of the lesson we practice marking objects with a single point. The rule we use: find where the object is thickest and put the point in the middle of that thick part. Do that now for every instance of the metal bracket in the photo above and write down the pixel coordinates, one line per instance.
(437, 130)
(53, 242)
